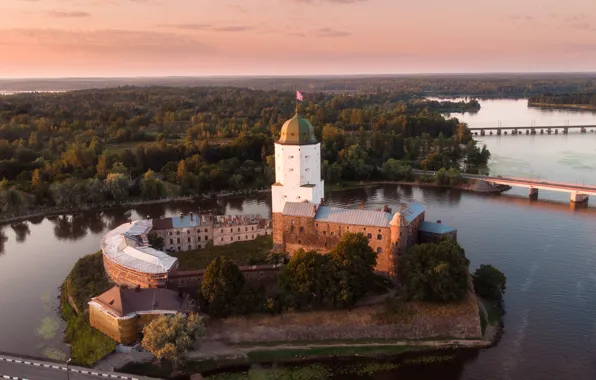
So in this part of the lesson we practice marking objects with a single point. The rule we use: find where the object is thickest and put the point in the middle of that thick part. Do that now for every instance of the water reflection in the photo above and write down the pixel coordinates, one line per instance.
(21, 230)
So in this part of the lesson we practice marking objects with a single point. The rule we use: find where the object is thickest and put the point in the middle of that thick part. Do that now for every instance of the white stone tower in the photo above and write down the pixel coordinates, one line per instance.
(297, 166)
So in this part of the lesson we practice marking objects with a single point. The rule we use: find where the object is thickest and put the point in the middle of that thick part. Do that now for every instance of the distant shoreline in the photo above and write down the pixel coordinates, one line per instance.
(588, 107)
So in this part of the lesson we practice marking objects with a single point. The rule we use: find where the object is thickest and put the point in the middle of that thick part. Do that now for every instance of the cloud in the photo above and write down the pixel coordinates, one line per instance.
(328, 32)
(236, 7)
(229, 28)
(106, 41)
(72, 14)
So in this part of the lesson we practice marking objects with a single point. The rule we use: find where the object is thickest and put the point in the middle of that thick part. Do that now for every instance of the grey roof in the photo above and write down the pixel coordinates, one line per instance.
(435, 228)
(350, 216)
(355, 217)
(299, 209)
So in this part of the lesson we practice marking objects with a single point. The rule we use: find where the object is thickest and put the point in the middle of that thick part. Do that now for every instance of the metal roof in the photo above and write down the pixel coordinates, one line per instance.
(412, 211)
(351, 216)
(355, 217)
(435, 228)
(126, 245)
(185, 221)
(299, 209)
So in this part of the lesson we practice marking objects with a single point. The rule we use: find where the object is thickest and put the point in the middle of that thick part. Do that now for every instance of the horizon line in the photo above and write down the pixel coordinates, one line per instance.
(232, 76)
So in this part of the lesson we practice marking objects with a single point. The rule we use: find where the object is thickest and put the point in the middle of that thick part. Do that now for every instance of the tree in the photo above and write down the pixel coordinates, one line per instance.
(355, 261)
(151, 186)
(435, 272)
(171, 337)
(181, 173)
(155, 241)
(489, 282)
(221, 285)
(308, 279)
(117, 185)
(396, 170)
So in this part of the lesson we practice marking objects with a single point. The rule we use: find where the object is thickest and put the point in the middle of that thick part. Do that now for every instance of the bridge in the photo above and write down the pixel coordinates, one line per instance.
(531, 130)
(577, 193)
(15, 368)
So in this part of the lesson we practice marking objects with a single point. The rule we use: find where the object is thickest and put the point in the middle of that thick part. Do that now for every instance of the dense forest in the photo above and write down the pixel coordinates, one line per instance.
(89, 146)
(579, 99)
(477, 85)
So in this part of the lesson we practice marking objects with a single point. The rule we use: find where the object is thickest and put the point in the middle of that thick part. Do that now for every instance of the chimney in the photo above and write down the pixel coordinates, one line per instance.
(191, 216)
(438, 222)
(361, 205)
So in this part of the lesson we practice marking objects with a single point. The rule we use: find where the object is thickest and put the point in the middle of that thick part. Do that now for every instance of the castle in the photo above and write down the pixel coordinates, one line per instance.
(301, 220)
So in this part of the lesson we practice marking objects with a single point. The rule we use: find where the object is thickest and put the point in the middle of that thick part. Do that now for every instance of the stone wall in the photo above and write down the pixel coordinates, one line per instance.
(255, 274)
(305, 232)
(420, 321)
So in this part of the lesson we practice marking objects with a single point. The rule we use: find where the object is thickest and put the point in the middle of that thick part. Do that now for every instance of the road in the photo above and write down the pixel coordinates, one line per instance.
(26, 369)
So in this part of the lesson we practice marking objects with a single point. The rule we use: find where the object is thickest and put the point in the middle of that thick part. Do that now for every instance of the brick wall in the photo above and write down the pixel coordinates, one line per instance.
(130, 278)
(306, 233)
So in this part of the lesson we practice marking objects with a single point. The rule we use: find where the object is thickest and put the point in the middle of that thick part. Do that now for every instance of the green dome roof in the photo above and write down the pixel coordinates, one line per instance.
(297, 131)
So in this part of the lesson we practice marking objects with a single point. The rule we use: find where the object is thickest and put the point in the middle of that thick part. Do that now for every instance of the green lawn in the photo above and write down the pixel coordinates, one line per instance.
(251, 252)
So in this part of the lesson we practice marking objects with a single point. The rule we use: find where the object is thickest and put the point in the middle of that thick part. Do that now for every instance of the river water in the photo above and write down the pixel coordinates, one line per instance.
(545, 248)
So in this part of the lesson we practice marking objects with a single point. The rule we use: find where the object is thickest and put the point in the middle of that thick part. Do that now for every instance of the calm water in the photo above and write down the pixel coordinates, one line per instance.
(545, 248)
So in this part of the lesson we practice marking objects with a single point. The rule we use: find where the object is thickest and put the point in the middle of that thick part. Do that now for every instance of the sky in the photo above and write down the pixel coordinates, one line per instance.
(106, 38)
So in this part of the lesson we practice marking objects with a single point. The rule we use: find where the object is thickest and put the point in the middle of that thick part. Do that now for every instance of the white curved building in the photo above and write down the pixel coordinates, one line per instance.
(130, 261)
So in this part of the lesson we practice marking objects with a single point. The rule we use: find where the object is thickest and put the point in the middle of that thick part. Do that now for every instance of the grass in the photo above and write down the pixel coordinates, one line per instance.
(493, 310)
(87, 345)
(251, 252)
(87, 279)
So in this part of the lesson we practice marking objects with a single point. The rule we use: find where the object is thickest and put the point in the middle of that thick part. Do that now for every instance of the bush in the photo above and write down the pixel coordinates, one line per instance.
(87, 279)
(489, 282)
(435, 272)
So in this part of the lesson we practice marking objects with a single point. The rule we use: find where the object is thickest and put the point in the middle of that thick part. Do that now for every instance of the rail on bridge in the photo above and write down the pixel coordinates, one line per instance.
(531, 130)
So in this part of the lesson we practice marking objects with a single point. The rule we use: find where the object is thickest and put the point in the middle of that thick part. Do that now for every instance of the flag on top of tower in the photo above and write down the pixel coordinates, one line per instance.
(299, 96)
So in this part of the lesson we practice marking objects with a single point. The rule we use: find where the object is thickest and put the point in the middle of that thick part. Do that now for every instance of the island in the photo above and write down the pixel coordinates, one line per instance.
(335, 282)
(578, 100)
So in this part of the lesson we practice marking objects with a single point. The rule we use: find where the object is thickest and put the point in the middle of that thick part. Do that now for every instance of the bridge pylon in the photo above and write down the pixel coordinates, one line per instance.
(576, 197)
(533, 193)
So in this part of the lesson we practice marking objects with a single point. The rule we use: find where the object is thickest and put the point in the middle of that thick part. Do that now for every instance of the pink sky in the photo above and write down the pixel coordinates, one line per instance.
(57, 38)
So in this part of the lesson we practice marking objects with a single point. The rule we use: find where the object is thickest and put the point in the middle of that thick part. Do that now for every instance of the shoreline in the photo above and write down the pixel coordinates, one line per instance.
(56, 211)
(587, 107)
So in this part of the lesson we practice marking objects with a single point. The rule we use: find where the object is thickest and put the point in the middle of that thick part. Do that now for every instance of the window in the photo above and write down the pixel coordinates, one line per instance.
(369, 236)
(253, 236)
(379, 250)
(188, 232)
(332, 234)
(199, 246)
(170, 233)
(317, 224)
(253, 228)
(238, 229)
(198, 238)
(206, 238)
(246, 237)
(179, 249)
(324, 232)
(301, 229)
(299, 241)
(198, 230)
(306, 156)
(189, 240)
(171, 241)
(238, 238)
(364, 229)
(205, 230)
(245, 229)
(379, 237)
(292, 228)
(379, 230)
(178, 240)
(189, 247)
(221, 239)
(292, 221)
(177, 232)
(222, 230)
(231, 230)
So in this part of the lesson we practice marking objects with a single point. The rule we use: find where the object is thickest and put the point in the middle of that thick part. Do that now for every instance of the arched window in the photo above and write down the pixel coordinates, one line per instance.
(369, 236)
(379, 250)
(292, 228)
(379, 237)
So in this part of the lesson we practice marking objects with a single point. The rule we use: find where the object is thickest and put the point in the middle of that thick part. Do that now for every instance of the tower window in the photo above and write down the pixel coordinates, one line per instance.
(379, 237)
(379, 250)
(369, 236)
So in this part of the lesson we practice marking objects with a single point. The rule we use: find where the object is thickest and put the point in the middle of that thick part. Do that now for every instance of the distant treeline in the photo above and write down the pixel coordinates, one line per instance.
(581, 99)
(477, 85)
